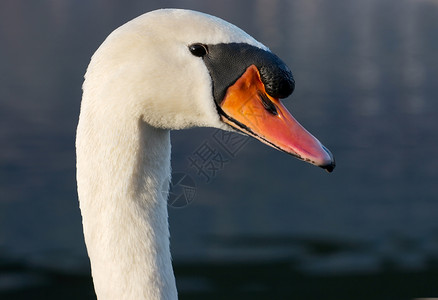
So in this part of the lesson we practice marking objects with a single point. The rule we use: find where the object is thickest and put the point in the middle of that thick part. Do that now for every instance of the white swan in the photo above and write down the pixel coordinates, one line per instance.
(167, 69)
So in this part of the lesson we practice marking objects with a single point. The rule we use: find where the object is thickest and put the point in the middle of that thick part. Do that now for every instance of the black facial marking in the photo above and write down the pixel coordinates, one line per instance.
(227, 62)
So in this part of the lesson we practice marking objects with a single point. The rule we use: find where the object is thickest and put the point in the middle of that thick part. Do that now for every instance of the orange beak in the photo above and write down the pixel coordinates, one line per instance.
(248, 108)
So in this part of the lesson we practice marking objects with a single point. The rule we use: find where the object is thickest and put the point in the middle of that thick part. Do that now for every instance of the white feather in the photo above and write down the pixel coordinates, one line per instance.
(141, 82)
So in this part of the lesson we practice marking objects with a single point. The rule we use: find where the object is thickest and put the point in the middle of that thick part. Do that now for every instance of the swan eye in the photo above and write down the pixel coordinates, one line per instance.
(198, 49)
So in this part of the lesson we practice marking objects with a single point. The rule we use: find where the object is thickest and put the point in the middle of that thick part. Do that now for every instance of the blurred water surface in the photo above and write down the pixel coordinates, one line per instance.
(265, 225)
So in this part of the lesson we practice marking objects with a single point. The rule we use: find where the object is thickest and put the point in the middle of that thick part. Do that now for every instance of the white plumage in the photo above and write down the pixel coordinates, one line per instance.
(140, 83)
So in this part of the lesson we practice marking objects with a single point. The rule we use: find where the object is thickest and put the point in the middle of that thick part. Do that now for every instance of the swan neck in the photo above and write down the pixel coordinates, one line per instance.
(123, 177)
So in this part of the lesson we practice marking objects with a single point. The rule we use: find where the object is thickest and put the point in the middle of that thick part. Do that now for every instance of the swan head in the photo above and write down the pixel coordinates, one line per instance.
(176, 69)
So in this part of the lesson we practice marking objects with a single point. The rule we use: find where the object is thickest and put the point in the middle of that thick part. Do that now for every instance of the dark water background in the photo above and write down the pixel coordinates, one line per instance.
(263, 226)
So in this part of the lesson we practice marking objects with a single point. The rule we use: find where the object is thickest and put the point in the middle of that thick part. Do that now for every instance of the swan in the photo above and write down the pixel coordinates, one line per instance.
(167, 69)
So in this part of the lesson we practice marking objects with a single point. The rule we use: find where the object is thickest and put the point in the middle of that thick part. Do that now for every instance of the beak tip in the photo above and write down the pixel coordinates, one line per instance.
(330, 167)
(330, 164)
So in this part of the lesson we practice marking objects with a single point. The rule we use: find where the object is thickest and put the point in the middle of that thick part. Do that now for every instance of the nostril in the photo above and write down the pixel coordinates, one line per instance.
(267, 104)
